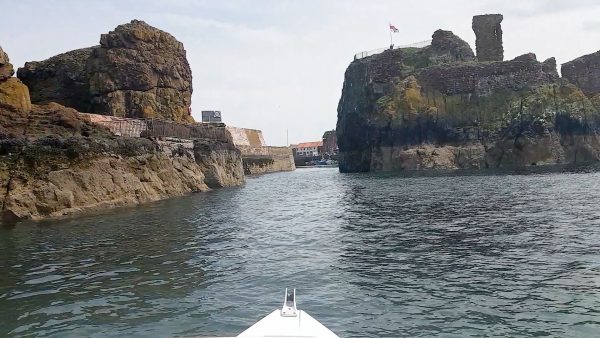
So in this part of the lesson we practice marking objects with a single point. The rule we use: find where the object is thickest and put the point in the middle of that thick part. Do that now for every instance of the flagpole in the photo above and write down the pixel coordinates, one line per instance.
(390, 29)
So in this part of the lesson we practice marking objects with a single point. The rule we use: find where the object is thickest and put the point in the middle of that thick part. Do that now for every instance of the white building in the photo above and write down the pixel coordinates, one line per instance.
(309, 149)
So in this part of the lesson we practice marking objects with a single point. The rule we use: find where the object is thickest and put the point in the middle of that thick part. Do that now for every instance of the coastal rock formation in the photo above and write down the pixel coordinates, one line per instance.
(140, 71)
(62, 78)
(13, 94)
(56, 162)
(408, 109)
(6, 68)
(584, 72)
(488, 34)
(221, 163)
(53, 176)
(136, 71)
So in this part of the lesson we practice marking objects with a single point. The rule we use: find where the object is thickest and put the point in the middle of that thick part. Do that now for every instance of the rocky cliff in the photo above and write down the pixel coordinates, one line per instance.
(54, 161)
(433, 107)
(136, 71)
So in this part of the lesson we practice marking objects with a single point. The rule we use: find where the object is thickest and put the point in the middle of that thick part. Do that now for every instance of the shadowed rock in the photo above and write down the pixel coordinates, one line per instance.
(584, 72)
(488, 33)
(6, 69)
(62, 78)
(14, 95)
(446, 43)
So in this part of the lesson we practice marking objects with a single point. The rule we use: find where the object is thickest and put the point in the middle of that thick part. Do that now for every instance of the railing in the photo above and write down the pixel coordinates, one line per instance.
(158, 128)
(364, 54)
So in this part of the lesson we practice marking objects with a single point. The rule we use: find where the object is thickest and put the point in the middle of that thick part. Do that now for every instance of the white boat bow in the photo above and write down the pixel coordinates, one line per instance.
(288, 322)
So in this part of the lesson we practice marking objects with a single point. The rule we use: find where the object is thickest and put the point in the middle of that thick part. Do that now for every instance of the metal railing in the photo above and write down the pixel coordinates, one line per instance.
(364, 54)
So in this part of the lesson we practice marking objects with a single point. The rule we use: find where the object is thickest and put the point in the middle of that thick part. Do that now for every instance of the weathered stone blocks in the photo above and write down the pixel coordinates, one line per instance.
(488, 33)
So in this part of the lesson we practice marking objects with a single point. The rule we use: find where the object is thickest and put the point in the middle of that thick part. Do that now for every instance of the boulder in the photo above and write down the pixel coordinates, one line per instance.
(14, 96)
(140, 71)
(6, 69)
(136, 71)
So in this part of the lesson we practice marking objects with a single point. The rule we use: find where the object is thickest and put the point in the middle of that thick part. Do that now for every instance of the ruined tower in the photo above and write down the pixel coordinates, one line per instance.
(488, 33)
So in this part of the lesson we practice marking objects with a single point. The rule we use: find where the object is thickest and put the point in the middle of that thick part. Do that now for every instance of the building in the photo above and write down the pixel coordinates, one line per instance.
(211, 116)
(309, 149)
(330, 146)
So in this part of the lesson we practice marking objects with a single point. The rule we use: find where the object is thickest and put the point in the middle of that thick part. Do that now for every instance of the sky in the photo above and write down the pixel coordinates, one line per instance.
(279, 65)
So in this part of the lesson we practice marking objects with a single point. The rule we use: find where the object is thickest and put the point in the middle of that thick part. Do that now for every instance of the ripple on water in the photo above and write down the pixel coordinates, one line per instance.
(371, 256)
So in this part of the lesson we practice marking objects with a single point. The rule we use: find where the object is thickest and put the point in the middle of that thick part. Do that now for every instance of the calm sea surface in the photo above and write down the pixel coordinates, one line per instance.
(370, 256)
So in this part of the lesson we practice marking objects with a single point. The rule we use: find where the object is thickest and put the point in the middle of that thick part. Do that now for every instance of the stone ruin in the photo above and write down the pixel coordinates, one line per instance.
(488, 33)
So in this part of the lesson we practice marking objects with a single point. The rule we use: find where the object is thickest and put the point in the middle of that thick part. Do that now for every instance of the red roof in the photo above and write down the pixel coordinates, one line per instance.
(310, 144)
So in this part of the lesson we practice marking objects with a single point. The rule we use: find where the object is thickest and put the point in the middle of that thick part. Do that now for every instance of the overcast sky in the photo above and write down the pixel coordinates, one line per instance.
(277, 65)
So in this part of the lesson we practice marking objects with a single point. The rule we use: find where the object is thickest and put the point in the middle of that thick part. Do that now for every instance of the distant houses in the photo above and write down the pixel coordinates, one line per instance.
(309, 149)
(308, 153)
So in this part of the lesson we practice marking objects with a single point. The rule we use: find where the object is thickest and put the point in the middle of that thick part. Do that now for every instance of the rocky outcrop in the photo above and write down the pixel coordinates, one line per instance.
(54, 176)
(6, 68)
(57, 162)
(136, 71)
(407, 109)
(140, 71)
(13, 94)
(453, 48)
(54, 161)
(584, 72)
(221, 163)
(62, 78)
(488, 34)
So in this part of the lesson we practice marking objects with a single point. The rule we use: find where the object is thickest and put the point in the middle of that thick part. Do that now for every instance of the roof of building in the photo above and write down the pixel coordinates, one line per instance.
(310, 144)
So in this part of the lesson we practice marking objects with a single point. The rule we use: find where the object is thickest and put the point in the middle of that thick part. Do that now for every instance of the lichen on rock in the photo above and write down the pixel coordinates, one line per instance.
(136, 71)
(6, 68)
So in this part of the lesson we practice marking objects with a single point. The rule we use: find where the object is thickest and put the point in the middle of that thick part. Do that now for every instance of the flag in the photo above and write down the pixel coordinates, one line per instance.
(393, 29)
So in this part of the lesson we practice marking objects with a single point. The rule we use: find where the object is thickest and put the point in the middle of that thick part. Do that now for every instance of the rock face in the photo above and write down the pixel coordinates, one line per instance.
(488, 33)
(55, 162)
(6, 69)
(136, 71)
(410, 109)
(584, 72)
(445, 43)
(140, 71)
(62, 78)
(13, 94)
